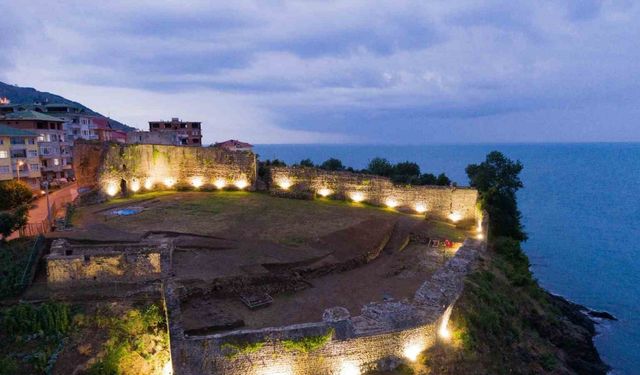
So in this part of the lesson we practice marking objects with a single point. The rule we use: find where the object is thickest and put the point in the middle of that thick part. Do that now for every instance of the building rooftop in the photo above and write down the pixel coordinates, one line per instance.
(233, 143)
(6, 130)
(31, 115)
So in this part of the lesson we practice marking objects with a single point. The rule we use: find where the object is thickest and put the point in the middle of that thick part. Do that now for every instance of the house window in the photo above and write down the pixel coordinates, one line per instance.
(4, 169)
(56, 161)
(45, 151)
(18, 153)
(31, 141)
(35, 167)
(33, 153)
(4, 154)
(17, 141)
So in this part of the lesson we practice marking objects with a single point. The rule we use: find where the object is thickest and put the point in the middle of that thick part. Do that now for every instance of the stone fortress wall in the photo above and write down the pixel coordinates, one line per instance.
(68, 265)
(384, 334)
(454, 203)
(147, 167)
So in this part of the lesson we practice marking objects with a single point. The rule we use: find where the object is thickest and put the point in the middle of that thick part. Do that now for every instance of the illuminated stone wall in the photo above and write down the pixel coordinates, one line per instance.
(67, 264)
(105, 165)
(438, 201)
(382, 336)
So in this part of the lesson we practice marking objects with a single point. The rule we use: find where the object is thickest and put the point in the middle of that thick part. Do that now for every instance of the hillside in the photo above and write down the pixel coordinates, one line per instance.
(23, 95)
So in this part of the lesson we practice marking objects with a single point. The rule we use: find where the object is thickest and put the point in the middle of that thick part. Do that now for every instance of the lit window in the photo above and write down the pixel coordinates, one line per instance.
(56, 161)
(4, 154)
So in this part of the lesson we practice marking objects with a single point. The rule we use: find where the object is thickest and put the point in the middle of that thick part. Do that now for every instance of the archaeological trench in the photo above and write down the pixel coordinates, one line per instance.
(366, 297)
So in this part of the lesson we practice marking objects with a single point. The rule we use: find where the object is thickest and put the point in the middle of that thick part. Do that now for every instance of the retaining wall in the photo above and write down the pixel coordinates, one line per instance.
(106, 165)
(439, 201)
(68, 265)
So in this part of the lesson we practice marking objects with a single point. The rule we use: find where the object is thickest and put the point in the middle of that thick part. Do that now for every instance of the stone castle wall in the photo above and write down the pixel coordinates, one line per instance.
(439, 201)
(68, 265)
(106, 165)
(384, 334)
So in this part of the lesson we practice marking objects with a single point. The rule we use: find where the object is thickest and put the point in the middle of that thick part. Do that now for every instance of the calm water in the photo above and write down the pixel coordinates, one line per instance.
(581, 208)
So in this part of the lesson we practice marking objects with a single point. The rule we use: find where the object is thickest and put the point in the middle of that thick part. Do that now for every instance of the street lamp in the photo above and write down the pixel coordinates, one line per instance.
(46, 189)
(20, 163)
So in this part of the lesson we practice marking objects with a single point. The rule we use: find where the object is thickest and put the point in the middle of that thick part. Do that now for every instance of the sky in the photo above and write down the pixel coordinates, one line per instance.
(397, 72)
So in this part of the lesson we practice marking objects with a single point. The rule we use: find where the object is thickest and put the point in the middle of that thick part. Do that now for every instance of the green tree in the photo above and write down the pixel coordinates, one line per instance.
(11, 221)
(380, 166)
(332, 164)
(14, 193)
(443, 180)
(497, 180)
(307, 163)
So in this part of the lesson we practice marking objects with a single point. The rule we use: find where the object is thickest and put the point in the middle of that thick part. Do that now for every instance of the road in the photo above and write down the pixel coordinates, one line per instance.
(38, 211)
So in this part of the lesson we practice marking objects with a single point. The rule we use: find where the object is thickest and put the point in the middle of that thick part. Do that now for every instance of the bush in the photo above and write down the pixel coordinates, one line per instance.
(14, 193)
(332, 164)
(11, 221)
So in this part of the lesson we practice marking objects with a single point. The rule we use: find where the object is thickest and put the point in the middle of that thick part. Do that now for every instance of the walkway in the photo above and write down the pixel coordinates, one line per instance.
(57, 198)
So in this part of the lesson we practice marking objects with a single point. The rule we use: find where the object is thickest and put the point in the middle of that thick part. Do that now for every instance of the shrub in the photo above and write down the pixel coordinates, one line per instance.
(11, 221)
(14, 193)
(308, 343)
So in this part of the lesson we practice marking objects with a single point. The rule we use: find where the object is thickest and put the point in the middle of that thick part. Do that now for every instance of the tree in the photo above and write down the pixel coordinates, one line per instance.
(11, 221)
(380, 166)
(14, 193)
(332, 164)
(443, 180)
(307, 163)
(406, 168)
(497, 180)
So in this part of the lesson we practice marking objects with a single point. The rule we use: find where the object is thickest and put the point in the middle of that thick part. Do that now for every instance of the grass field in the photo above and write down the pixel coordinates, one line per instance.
(232, 214)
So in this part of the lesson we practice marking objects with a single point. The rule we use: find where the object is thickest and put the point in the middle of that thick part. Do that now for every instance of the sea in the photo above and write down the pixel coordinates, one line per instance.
(581, 208)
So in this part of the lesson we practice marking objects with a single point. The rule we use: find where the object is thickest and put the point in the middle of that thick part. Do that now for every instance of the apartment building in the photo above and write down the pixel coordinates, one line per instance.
(187, 133)
(54, 150)
(19, 155)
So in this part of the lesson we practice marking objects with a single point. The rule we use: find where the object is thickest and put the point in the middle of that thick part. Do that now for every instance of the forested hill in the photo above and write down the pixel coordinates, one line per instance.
(29, 95)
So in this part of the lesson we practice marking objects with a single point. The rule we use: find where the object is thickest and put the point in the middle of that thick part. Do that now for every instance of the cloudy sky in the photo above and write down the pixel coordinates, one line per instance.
(341, 72)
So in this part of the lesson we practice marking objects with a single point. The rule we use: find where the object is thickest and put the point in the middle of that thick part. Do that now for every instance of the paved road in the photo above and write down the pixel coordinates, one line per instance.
(38, 213)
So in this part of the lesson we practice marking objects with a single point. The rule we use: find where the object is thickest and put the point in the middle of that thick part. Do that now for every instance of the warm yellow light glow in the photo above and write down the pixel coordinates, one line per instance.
(455, 217)
(412, 351)
(220, 183)
(391, 203)
(443, 330)
(42, 192)
(112, 188)
(480, 236)
(169, 182)
(135, 185)
(197, 181)
(357, 196)
(349, 368)
(421, 208)
(167, 369)
(148, 183)
(284, 183)
(241, 184)
(325, 192)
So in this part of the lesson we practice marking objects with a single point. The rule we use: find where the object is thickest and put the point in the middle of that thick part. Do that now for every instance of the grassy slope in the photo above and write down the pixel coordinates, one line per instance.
(504, 323)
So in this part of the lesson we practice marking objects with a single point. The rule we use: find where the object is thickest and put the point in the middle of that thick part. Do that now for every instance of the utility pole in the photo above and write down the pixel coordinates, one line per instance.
(46, 189)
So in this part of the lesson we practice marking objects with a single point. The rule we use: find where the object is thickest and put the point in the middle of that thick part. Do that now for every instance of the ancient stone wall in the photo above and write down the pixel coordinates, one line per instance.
(384, 334)
(439, 201)
(68, 265)
(147, 167)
